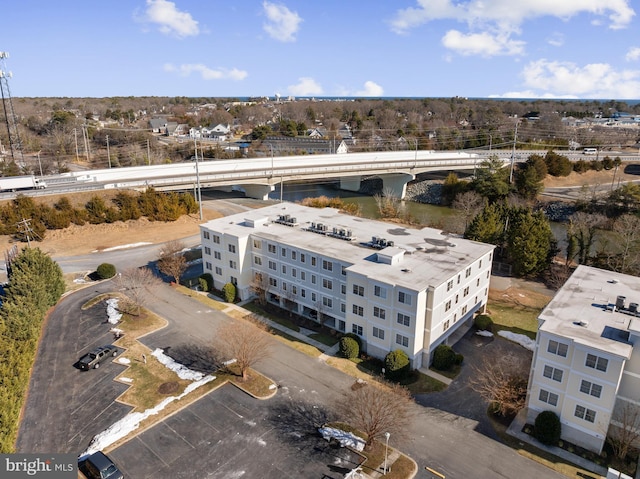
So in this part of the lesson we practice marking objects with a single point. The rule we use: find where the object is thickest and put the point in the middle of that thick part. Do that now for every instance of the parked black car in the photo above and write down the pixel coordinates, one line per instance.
(95, 357)
(99, 466)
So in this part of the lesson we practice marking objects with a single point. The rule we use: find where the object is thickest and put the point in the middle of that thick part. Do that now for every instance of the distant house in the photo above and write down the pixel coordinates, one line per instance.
(280, 144)
(220, 128)
(158, 125)
(345, 133)
(318, 132)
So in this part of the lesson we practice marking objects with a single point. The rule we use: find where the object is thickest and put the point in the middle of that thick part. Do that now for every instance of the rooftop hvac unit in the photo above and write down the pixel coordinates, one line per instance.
(620, 302)
(294, 220)
(633, 307)
(313, 226)
(349, 233)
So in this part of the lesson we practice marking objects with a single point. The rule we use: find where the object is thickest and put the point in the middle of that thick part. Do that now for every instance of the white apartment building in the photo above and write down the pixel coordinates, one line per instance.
(586, 366)
(395, 287)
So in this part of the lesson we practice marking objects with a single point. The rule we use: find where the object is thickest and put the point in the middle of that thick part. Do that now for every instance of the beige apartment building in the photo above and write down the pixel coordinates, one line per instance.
(395, 287)
(586, 366)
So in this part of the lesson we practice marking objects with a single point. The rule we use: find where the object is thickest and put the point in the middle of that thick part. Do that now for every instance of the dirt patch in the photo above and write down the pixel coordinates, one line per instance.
(589, 178)
(520, 296)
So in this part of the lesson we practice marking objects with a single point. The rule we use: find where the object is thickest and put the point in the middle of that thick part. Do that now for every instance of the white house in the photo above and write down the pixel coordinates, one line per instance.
(586, 366)
(395, 287)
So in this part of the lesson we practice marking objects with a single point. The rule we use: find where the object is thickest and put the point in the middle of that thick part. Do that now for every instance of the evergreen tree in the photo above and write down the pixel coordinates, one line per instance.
(530, 242)
(488, 226)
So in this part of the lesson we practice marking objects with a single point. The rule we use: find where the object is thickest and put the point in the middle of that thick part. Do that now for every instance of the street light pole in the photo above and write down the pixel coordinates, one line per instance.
(199, 192)
(386, 449)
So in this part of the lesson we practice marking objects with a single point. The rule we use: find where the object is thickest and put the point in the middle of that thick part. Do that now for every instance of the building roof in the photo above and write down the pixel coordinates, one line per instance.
(585, 310)
(416, 258)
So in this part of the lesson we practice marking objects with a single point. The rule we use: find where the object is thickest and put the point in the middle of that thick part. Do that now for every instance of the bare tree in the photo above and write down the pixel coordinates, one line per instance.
(389, 205)
(624, 429)
(171, 260)
(503, 383)
(583, 227)
(626, 254)
(468, 205)
(377, 408)
(260, 287)
(135, 284)
(245, 341)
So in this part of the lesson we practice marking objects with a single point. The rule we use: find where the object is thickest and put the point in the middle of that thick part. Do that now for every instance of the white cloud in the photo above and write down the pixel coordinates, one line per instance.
(306, 86)
(633, 54)
(370, 89)
(556, 40)
(283, 24)
(205, 72)
(483, 44)
(595, 80)
(493, 22)
(170, 20)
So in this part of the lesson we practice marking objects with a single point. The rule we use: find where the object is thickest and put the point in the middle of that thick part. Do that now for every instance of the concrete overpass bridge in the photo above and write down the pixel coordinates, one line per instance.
(258, 176)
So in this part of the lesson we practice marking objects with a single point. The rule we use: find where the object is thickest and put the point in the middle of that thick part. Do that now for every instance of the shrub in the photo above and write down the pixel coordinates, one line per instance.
(356, 338)
(106, 271)
(444, 358)
(349, 347)
(483, 322)
(547, 428)
(206, 282)
(396, 365)
(229, 291)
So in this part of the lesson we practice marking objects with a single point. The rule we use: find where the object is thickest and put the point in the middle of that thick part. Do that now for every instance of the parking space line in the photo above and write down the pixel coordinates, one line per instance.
(177, 434)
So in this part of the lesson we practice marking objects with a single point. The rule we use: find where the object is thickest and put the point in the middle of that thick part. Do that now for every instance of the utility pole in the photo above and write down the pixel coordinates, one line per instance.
(198, 190)
(148, 153)
(108, 154)
(24, 226)
(39, 164)
(15, 144)
(513, 152)
(75, 136)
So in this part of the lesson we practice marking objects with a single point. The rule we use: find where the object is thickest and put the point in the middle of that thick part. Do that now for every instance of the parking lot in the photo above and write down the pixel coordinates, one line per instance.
(228, 434)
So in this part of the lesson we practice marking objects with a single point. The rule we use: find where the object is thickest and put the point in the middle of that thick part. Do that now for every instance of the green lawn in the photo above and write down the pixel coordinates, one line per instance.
(515, 318)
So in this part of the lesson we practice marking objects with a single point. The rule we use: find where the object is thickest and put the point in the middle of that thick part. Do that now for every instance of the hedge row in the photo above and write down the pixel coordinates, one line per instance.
(154, 205)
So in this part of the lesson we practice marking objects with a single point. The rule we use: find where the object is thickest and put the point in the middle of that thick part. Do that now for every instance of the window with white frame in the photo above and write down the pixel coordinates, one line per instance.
(447, 305)
(257, 260)
(313, 279)
(449, 285)
(283, 252)
(379, 312)
(465, 292)
(303, 293)
(257, 244)
(284, 269)
(206, 235)
(216, 239)
(343, 307)
(404, 298)
(548, 397)
(294, 255)
(327, 265)
(343, 288)
(585, 413)
(328, 302)
(294, 289)
(313, 296)
(207, 250)
(233, 264)
(294, 272)
(467, 273)
(378, 333)
(380, 292)
(207, 265)
(552, 373)
(596, 362)
(313, 260)
(217, 255)
(557, 348)
(232, 248)
(590, 388)
(404, 319)
(218, 270)
(446, 325)
(271, 248)
(358, 310)
(303, 275)
(356, 329)
(358, 290)
(303, 258)
(343, 270)
(273, 282)
(327, 283)
(402, 340)
(464, 310)
(284, 286)
(272, 265)
(233, 280)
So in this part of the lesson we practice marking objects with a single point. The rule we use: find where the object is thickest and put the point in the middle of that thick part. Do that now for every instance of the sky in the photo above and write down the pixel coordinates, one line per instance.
(584, 49)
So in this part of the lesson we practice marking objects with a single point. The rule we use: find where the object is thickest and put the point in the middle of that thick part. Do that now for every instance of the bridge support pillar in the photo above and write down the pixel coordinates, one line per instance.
(396, 184)
(350, 183)
(260, 192)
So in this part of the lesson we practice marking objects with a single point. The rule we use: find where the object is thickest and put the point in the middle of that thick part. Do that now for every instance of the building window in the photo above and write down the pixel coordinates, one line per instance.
(207, 265)
(343, 270)
(294, 272)
(283, 252)
(343, 308)
(447, 305)
(272, 248)
(217, 255)
(218, 270)
(445, 326)
(206, 235)
(313, 279)
(552, 373)
(303, 293)
(402, 340)
(480, 265)
(458, 279)
(356, 329)
(404, 319)
(303, 258)
(590, 388)
(327, 283)
(597, 362)
(233, 264)
(273, 282)
(313, 297)
(467, 273)
(358, 310)
(294, 255)
(464, 310)
(549, 398)
(207, 250)
(272, 265)
(584, 413)
(257, 244)
(257, 260)
(379, 312)
(359, 290)
(477, 282)
(378, 333)
(284, 286)
(303, 275)
(341, 325)
(327, 265)
(465, 292)
(294, 289)
(343, 288)
(313, 261)
(457, 299)
(560, 349)
(284, 269)
(328, 302)
(449, 285)
(380, 292)
(233, 280)
(232, 248)
(404, 298)
(216, 239)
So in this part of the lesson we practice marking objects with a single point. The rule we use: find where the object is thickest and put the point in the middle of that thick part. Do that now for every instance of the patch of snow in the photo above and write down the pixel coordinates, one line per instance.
(231, 361)
(182, 371)
(124, 360)
(485, 334)
(131, 422)
(524, 341)
(124, 246)
(80, 281)
(113, 315)
(343, 437)
(125, 379)
(272, 386)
